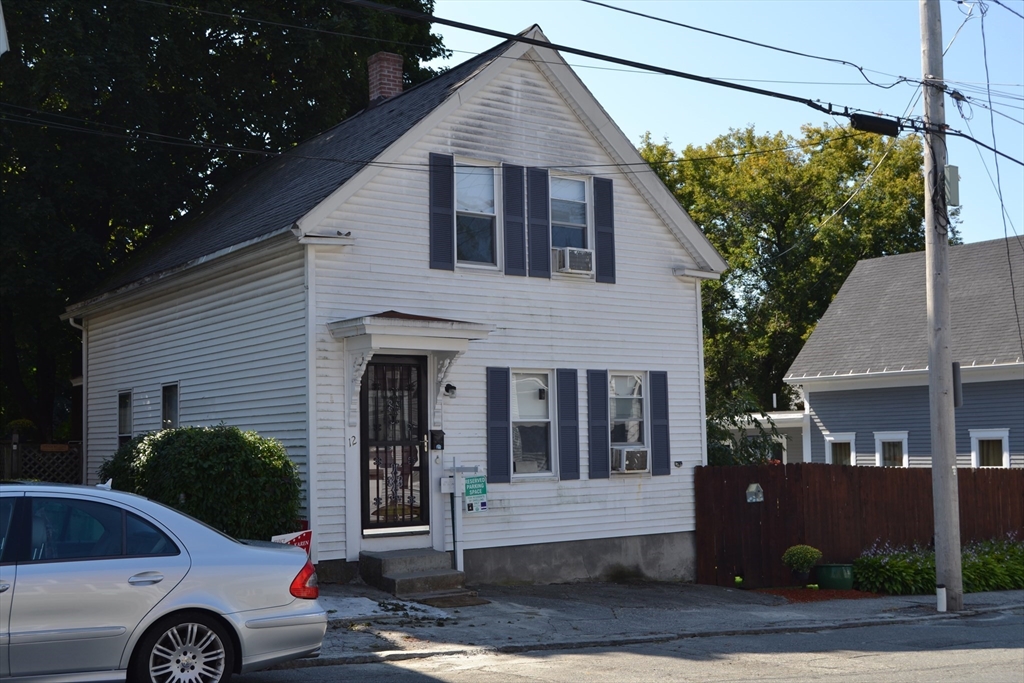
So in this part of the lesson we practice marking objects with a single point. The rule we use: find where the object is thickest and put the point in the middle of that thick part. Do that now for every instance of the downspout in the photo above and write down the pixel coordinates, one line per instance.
(85, 397)
(700, 379)
(312, 393)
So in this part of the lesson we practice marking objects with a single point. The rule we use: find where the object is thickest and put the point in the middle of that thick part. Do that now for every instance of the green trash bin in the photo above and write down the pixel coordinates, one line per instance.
(838, 576)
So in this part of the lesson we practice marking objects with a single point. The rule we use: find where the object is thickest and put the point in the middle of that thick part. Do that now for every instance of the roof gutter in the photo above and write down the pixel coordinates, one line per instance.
(82, 308)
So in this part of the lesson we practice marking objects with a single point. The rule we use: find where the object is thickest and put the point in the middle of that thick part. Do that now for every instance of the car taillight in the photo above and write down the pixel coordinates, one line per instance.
(304, 584)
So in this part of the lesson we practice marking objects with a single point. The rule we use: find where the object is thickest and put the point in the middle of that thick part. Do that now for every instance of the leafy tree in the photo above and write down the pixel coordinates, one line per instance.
(114, 122)
(739, 433)
(792, 216)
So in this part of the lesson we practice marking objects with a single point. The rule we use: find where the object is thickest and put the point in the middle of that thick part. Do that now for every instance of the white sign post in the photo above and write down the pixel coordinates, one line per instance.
(458, 505)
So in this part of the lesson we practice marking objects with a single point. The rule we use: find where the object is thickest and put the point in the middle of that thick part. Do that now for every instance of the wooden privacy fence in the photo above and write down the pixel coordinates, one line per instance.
(841, 510)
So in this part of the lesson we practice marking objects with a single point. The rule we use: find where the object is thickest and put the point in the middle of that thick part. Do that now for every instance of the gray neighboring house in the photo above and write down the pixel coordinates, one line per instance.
(864, 370)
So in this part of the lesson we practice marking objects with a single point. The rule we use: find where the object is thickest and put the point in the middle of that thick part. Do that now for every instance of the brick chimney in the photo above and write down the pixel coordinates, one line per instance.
(385, 76)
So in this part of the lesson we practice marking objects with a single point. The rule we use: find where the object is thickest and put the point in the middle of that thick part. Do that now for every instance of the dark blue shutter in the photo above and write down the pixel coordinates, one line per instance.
(604, 230)
(660, 455)
(442, 212)
(600, 436)
(514, 220)
(499, 453)
(568, 424)
(539, 223)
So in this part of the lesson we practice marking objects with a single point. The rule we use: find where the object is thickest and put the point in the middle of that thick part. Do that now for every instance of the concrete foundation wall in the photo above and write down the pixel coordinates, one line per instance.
(664, 557)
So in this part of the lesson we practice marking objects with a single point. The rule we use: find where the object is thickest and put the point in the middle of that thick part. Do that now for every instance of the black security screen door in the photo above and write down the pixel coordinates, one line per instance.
(393, 420)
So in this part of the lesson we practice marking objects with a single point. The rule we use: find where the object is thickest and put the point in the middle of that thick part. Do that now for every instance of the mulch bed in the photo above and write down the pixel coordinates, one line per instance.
(812, 595)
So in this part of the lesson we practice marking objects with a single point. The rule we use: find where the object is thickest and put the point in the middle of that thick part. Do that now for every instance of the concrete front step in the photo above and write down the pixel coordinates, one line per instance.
(402, 561)
(405, 572)
(430, 581)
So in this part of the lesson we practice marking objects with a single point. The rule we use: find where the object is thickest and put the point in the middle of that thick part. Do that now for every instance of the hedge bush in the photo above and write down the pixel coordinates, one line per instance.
(800, 558)
(896, 570)
(239, 482)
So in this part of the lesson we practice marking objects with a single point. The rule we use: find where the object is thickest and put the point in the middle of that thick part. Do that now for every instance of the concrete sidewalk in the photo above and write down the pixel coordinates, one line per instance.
(367, 625)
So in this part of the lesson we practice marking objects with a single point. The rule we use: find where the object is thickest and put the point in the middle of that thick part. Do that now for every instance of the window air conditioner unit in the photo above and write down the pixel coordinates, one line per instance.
(629, 459)
(572, 260)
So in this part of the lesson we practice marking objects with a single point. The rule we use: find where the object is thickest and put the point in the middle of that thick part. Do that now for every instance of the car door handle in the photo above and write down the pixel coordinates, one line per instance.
(146, 579)
(4, 587)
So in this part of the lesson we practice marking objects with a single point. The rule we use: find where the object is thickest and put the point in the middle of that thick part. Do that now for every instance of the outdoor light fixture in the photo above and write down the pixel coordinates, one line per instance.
(755, 494)
(449, 390)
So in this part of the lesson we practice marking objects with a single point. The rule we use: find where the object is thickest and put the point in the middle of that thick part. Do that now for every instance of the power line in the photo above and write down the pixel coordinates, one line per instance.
(279, 24)
(141, 136)
(340, 34)
(999, 182)
(419, 16)
(1008, 9)
(827, 108)
(861, 69)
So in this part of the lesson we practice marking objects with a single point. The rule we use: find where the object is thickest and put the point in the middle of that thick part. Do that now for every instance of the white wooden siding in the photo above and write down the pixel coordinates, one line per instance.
(648, 320)
(232, 337)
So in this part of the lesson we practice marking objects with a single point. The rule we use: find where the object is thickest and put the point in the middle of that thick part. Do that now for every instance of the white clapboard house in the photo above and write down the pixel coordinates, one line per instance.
(485, 255)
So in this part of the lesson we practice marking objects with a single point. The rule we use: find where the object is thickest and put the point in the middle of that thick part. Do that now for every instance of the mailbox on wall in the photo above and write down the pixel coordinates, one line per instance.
(436, 440)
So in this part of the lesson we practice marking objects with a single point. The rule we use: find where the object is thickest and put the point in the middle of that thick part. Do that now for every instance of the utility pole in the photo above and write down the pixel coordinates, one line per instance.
(945, 493)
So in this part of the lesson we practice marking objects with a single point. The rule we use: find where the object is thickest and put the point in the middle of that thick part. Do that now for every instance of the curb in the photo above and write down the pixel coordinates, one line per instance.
(402, 655)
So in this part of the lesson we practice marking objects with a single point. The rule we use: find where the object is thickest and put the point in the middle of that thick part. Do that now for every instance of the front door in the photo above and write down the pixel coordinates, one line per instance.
(393, 426)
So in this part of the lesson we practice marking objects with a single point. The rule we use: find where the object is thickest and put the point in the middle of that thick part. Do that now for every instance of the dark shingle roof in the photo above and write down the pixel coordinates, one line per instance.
(274, 195)
(878, 320)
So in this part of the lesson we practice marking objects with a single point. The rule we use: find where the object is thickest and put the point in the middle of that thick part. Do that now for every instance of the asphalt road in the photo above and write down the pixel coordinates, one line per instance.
(979, 649)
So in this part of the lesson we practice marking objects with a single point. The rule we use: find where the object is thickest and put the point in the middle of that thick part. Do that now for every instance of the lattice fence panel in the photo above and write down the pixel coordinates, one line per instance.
(58, 463)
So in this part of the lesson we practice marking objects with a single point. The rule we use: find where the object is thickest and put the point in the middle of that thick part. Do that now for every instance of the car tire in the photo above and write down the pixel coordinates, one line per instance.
(189, 647)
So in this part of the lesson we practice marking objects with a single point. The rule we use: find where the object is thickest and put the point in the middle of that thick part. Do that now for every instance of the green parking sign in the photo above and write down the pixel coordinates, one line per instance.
(476, 494)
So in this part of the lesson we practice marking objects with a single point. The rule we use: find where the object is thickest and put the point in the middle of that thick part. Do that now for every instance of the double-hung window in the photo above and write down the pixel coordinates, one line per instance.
(169, 406)
(626, 421)
(124, 417)
(990, 447)
(531, 423)
(500, 215)
(475, 219)
(839, 449)
(568, 212)
(891, 449)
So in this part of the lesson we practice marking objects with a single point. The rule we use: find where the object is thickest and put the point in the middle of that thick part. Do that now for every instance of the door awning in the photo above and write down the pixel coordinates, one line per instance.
(397, 330)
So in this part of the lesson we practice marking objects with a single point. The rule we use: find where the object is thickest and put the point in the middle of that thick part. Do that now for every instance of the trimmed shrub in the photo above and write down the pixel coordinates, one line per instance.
(986, 566)
(800, 558)
(239, 482)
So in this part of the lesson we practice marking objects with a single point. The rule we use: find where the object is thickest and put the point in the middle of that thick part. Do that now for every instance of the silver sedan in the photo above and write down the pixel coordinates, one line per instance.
(100, 585)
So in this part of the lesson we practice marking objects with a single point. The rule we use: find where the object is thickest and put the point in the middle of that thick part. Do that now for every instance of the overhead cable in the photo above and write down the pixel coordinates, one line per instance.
(419, 16)
(861, 69)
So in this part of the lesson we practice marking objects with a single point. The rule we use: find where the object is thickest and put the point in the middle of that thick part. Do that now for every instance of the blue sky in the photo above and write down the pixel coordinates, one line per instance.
(883, 36)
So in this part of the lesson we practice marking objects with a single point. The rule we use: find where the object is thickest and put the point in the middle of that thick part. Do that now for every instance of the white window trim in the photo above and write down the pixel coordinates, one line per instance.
(499, 202)
(591, 234)
(990, 434)
(588, 197)
(784, 440)
(552, 428)
(131, 415)
(841, 437)
(177, 386)
(891, 436)
(645, 401)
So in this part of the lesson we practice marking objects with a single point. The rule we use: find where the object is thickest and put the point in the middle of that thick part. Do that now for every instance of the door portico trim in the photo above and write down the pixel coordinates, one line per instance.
(392, 332)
